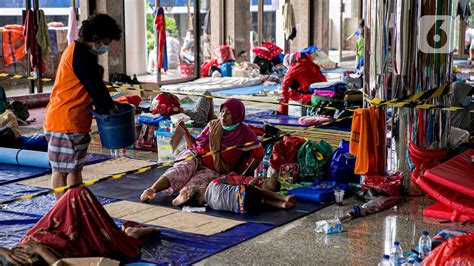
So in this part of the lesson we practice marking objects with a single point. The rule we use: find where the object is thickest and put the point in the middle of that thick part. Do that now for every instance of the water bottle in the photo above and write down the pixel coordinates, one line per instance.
(396, 253)
(386, 261)
(424, 245)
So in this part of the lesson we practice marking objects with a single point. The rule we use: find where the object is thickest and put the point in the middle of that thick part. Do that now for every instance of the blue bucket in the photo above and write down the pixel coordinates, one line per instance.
(117, 131)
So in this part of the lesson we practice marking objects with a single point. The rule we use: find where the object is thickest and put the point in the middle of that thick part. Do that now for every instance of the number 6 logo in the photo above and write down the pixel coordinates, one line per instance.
(436, 34)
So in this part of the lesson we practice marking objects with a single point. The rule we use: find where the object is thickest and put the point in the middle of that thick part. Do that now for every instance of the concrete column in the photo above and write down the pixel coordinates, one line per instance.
(236, 23)
(217, 23)
(279, 34)
(135, 32)
(321, 26)
(114, 60)
(302, 12)
(84, 10)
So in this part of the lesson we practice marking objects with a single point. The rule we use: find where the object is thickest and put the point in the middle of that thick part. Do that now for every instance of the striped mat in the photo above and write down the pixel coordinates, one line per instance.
(333, 137)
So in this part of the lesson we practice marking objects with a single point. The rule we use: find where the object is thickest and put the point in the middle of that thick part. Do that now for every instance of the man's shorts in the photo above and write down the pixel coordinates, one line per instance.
(67, 151)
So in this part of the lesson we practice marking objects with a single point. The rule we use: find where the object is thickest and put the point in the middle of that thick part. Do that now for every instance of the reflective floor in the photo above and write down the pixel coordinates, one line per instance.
(361, 243)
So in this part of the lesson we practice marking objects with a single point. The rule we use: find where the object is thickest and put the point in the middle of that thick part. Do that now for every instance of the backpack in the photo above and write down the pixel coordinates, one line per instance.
(20, 110)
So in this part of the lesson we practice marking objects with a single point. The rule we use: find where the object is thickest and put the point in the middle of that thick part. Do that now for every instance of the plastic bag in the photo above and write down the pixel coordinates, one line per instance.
(456, 251)
(36, 142)
(341, 167)
(391, 185)
(312, 160)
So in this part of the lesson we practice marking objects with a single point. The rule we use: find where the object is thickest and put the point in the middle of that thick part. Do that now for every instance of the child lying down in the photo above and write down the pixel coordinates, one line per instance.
(239, 199)
(234, 179)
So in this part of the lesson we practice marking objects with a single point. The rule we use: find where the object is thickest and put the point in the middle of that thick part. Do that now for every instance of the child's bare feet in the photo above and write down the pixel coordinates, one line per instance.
(147, 194)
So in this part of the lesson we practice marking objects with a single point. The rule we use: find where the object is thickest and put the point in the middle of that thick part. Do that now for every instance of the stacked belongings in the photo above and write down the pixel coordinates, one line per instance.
(267, 56)
(221, 65)
(323, 95)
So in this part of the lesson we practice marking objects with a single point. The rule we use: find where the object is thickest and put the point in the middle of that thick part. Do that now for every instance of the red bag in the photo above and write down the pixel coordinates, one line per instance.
(224, 54)
(455, 251)
(146, 139)
(206, 66)
(273, 49)
(391, 185)
(285, 151)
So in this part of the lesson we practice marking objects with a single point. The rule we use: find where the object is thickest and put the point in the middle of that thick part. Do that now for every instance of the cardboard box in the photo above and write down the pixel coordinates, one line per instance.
(93, 261)
(297, 111)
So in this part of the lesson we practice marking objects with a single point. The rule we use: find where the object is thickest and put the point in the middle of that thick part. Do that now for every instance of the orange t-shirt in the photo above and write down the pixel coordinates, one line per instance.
(78, 83)
(67, 110)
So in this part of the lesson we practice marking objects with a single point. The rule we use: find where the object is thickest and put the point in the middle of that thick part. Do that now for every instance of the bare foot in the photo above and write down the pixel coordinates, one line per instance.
(290, 198)
(147, 194)
(179, 200)
(142, 233)
(287, 205)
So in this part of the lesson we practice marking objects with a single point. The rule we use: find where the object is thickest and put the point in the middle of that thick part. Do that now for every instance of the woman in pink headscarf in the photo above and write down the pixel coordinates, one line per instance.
(219, 134)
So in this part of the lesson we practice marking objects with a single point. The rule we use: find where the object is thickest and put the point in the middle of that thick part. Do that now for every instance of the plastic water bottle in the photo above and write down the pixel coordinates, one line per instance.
(386, 261)
(396, 253)
(424, 245)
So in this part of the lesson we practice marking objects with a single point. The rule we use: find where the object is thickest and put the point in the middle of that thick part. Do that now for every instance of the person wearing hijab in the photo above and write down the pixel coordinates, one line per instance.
(228, 131)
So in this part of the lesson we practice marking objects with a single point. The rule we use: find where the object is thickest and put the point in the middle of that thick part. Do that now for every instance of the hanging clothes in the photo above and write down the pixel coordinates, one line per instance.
(71, 26)
(160, 25)
(30, 36)
(289, 25)
(13, 45)
(464, 9)
(42, 37)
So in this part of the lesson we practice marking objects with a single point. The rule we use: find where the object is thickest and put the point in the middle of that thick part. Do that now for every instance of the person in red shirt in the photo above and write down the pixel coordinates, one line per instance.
(301, 74)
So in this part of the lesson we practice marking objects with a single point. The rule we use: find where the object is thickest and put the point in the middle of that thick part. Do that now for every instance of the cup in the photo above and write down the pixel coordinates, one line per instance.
(339, 196)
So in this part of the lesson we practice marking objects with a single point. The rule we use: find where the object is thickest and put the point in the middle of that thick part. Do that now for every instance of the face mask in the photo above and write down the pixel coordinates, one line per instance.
(102, 50)
(231, 127)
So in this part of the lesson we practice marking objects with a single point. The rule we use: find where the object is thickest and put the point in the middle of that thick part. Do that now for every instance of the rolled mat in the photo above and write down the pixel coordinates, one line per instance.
(24, 157)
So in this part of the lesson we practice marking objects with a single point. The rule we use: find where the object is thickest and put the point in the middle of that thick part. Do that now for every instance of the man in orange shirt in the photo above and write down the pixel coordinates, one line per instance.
(78, 84)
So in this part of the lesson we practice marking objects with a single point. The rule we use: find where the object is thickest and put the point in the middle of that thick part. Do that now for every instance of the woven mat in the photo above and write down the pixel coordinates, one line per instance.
(333, 137)
(106, 168)
(195, 223)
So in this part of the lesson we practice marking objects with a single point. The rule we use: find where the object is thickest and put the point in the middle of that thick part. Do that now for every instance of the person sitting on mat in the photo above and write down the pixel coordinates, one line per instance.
(234, 179)
(77, 226)
(168, 104)
(228, 131)
(302, 72)
(239, 199)
(78, 82)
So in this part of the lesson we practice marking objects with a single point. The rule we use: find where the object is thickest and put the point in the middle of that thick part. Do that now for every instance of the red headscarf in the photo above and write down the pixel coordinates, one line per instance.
(238, 136)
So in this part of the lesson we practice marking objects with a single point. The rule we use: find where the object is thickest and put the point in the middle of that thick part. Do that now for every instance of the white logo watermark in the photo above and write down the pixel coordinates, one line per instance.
(436, 34)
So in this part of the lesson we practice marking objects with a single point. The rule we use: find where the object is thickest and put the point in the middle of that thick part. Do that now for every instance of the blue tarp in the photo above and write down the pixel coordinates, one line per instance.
(248, 90)
(14, 173)
(284, 120)
(172, 247)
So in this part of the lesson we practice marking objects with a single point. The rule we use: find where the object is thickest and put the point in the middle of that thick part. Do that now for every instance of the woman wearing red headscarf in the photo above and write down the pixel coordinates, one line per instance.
(219, 134)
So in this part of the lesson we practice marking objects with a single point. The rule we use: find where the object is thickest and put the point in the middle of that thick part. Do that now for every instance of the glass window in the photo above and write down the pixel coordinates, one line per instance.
(180, 44)
(14, 60)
